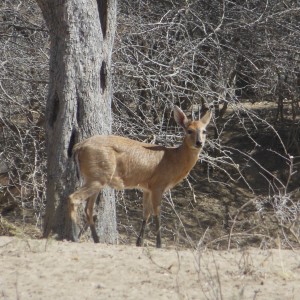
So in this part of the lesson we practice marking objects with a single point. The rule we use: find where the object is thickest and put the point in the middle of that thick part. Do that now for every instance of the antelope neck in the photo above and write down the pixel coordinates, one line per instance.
(189, 154)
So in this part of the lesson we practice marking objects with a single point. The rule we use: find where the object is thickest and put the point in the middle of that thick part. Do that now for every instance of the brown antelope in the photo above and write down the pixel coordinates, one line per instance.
(122, 163)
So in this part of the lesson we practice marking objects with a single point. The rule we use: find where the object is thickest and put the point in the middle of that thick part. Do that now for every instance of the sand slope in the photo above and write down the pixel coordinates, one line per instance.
(41, 269)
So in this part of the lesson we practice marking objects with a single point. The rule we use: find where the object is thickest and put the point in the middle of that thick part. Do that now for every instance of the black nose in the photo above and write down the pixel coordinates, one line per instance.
(198, 143)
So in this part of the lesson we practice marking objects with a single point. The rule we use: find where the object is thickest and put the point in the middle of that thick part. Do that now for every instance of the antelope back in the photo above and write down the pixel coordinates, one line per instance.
(117, 161)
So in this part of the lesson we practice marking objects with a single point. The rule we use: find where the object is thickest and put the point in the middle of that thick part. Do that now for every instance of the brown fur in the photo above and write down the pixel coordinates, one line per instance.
(122, 163)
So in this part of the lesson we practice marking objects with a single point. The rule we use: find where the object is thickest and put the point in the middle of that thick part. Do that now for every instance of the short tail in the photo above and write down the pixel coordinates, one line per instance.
(76, 161)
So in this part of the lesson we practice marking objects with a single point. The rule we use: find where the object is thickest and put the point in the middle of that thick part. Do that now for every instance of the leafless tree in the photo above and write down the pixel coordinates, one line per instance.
(224, 54)
(23, 81)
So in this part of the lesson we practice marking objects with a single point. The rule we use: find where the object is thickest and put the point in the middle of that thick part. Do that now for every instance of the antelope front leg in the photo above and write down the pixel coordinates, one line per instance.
(147, 206)
(140, 239)
(156, 201)
(158, 235)
(156, 196)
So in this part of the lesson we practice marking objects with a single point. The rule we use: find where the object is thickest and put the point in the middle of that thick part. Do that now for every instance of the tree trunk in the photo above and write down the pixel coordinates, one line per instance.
(79, 100)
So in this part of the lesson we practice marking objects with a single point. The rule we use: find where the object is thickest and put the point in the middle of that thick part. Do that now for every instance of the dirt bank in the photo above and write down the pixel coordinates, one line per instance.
(47, 269)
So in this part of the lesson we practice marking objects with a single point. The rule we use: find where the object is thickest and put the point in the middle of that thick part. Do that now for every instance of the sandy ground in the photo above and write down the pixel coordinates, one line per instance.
(47, 269)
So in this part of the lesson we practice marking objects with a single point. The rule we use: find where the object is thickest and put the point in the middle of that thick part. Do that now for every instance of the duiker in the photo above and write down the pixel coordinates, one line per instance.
(122, 163)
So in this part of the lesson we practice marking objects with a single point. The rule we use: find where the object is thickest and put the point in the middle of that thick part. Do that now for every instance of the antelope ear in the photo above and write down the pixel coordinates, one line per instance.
(206, 118)
(180, 117)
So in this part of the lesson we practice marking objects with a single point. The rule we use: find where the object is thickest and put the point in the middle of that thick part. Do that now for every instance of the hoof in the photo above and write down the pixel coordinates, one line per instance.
(158, 242)
(94, 234)
(139, 242)
(75, 233)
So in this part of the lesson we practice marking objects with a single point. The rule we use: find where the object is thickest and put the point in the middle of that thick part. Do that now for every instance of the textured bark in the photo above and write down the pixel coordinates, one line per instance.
(79, 100)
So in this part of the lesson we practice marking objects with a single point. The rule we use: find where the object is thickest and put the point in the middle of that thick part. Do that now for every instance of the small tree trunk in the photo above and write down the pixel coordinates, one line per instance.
(79, 100)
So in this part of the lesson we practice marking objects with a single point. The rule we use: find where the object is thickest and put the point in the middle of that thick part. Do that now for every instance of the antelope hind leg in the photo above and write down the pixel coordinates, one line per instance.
(89, 208)
(75, 231)
(86, 192)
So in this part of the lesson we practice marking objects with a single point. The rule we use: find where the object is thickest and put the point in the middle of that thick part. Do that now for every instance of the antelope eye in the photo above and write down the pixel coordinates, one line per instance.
(190, 131)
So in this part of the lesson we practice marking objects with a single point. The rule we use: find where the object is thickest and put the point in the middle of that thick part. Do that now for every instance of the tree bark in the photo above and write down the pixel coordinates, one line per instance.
(79, 101)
